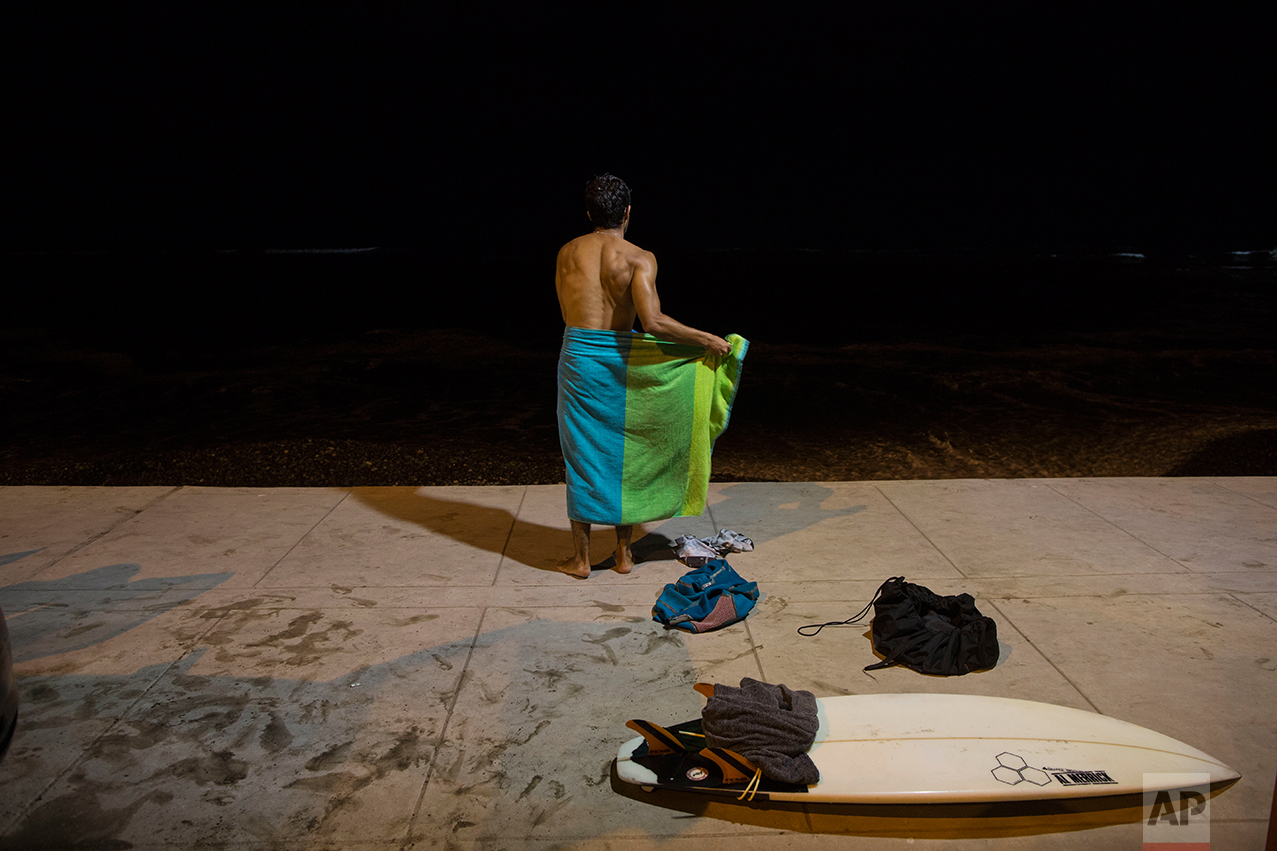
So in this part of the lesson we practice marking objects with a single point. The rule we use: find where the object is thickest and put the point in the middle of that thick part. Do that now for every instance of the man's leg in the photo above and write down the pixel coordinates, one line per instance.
(624, 558)
(578, 564)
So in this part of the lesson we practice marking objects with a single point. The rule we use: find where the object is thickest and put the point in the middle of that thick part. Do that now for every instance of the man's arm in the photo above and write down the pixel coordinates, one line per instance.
(656, 323)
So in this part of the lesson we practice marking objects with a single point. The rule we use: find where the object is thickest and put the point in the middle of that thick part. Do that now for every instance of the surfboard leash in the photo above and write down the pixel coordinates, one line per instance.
(752, 788)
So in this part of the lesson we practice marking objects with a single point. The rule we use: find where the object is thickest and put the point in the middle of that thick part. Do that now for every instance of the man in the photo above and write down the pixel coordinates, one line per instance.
(604, 282)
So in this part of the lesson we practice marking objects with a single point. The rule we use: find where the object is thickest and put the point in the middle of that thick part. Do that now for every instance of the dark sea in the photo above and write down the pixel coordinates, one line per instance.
(379, 366)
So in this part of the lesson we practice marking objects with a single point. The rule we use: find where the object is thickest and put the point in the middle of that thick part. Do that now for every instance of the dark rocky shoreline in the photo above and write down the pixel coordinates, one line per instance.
(392, 407)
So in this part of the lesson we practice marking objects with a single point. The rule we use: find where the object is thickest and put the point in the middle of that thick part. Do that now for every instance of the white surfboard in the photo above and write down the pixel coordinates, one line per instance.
(934, 748)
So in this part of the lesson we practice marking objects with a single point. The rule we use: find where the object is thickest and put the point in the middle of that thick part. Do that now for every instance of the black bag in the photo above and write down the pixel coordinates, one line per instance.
(917, 628)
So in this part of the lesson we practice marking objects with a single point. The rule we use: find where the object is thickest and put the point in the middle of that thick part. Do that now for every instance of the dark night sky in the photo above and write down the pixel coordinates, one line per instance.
(899, 125)
(158, 155)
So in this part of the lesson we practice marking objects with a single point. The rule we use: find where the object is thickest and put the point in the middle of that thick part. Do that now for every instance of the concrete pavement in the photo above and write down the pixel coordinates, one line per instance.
(388, 668)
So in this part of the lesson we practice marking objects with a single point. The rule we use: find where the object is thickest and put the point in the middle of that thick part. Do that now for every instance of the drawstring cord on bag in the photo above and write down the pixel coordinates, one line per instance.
(852, 621)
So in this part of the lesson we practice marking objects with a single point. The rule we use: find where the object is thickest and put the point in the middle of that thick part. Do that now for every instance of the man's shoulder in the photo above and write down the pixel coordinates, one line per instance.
(626, 248)
(641, 255)
(632, 251)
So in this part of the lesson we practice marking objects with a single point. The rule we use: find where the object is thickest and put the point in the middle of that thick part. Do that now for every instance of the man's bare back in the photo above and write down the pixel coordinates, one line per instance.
(604, 282)
(594, 278)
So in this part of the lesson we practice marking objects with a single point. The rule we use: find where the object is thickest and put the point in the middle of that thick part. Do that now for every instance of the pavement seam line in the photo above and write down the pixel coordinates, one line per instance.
(508, 535)
(304, 536)
(753, 646)
(1043, 654)
(907, 519)
(1245, 495)
(443, 729)
(85, 752)
(1261, 612)
(1129, 534)
(100, 535)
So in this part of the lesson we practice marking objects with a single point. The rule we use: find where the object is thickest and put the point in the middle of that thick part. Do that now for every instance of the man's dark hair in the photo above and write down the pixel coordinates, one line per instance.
(606, 197)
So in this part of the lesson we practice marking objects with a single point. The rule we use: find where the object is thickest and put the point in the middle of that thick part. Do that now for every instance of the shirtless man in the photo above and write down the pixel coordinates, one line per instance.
(604, 282)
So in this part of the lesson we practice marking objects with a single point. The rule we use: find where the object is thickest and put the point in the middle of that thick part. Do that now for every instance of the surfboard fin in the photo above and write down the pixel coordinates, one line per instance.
(736, 769)
(659, 740)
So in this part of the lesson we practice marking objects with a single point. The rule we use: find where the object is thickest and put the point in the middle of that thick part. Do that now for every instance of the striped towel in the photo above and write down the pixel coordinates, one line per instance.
(638, 418)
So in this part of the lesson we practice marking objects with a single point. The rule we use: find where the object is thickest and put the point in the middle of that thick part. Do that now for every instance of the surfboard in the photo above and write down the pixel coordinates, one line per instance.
(929, 748)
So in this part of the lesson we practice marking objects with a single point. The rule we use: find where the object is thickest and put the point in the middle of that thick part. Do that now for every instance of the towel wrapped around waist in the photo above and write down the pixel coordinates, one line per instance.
(638, 418)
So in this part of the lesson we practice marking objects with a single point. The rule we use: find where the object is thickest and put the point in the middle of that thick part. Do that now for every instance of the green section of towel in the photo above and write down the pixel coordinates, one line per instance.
(678, 401)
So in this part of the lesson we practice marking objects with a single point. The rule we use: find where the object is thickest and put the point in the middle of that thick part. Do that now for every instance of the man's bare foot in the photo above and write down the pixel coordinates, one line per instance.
(577, 565)
(573, 567)
(624, 559)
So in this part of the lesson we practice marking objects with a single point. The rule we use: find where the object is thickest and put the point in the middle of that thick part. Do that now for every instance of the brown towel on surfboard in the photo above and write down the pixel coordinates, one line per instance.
(770, 725)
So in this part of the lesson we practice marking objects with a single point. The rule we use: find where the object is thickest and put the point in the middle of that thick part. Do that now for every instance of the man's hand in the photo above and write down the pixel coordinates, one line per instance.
(718, 346)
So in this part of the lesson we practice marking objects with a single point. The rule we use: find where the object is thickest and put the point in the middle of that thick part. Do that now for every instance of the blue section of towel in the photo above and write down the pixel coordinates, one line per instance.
(591, 410)
(707, 598)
